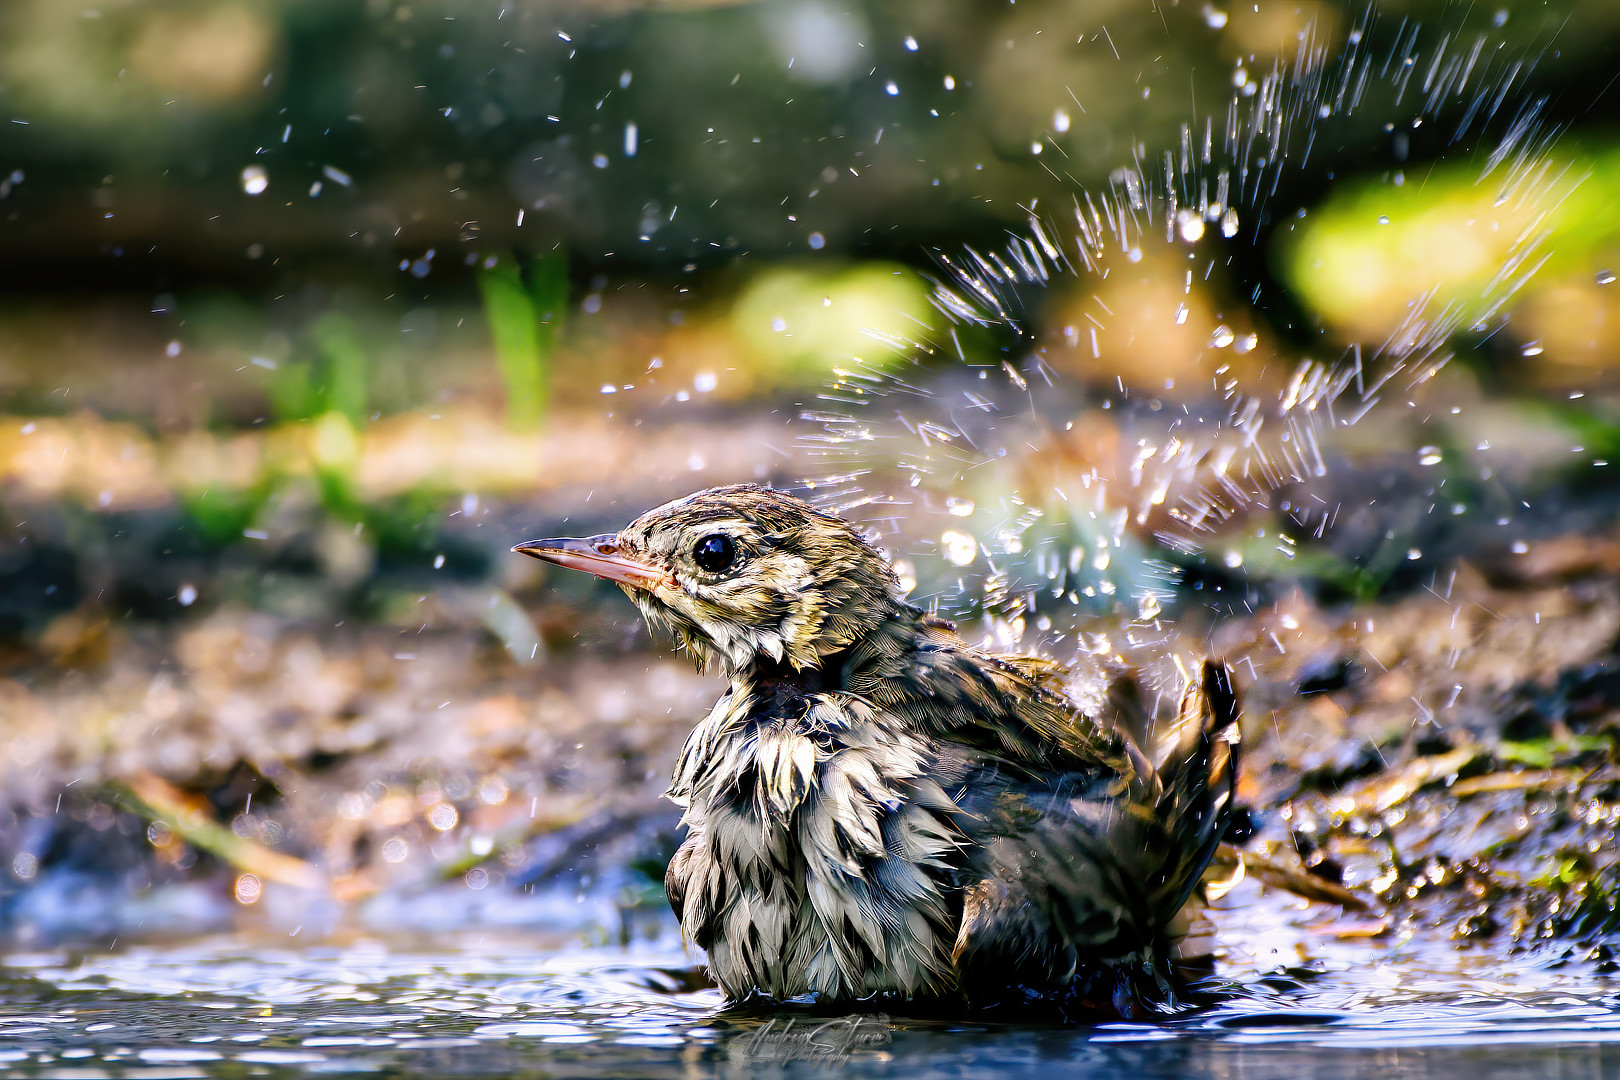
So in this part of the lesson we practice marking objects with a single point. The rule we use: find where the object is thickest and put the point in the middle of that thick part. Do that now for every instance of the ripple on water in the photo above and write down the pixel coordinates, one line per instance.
(215, 1008)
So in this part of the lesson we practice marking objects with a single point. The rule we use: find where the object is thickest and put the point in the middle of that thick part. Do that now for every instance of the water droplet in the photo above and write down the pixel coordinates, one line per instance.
(817, 241)
(950, 83)
(704, 382)
(1531, 348)
(1605, 277)
(1060, 121)
(1430, 455)
(1191, 225)
(438, 562)
(609, 388)
(911, 43)
(960, 548)
(1383, 219)
(1229, 223)
(395, 850)
(891, 89)
(1181, 315)
(1035, 147)
(907, 574)
(1214, 18)
(248, 889)
(631, 137)
(1222, 337)
(1519, 547)
(1233, 559)
(255, 180)
(443, 817)
(959, 507)
(187, 595)
(1413, 555)
(476, 878)
(1247, 342)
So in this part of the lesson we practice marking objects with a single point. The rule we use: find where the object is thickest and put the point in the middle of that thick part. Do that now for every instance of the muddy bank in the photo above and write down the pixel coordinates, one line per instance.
(1440, 761)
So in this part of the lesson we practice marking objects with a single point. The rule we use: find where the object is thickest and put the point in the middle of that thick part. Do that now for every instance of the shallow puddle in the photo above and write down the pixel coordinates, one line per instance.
(233, 1007)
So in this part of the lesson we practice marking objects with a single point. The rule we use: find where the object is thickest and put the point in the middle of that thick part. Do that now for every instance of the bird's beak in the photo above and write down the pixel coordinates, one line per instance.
(598, 555)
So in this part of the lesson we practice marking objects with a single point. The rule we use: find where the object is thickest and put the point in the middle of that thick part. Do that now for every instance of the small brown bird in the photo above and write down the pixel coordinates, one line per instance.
(877, 809)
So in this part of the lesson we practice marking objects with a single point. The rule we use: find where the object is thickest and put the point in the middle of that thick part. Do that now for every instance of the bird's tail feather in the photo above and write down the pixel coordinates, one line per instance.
(1196, 778)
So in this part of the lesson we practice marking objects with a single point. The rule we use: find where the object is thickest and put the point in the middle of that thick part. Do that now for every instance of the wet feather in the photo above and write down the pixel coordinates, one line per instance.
(877, 807)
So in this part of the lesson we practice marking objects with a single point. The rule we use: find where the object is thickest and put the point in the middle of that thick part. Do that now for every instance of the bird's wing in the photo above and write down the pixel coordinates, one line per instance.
(1071, 868)
(1037, 690)
(1014, 707)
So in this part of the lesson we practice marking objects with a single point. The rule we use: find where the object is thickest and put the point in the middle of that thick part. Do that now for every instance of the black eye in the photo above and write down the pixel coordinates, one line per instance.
(715, 553)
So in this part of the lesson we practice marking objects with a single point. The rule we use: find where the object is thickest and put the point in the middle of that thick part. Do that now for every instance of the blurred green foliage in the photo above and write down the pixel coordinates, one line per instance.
(1544, 753)
(319, 214)
(525, 313)
(800, 322)
(660, 133)
(1587, 904)
(1450, 230)
(333, 379)
(222, 516)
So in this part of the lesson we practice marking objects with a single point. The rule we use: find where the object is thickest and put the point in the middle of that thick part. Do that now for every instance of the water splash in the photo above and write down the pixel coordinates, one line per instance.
(1094, 498)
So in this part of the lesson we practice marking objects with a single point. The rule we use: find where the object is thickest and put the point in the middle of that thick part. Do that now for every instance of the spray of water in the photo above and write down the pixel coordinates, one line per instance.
(1014, 481)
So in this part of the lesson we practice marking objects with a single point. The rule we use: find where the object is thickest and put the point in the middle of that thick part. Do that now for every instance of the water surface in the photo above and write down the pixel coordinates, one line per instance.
(482, 1006)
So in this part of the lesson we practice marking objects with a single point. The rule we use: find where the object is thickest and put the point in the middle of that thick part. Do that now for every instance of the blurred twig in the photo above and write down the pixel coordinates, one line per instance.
(155, 799)
(1298, 882)
(1531, 779)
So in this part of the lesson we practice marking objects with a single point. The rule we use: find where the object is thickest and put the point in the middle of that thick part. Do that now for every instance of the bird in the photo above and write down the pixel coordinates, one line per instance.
(877, 810)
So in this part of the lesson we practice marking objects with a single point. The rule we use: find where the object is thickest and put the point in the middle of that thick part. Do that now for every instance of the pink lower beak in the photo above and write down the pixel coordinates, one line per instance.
(598, 555)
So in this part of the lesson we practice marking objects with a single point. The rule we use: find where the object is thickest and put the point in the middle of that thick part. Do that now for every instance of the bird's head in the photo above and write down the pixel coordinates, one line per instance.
(743, 576)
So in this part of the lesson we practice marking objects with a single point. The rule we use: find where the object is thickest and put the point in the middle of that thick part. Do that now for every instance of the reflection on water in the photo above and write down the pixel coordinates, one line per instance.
(235, 1008)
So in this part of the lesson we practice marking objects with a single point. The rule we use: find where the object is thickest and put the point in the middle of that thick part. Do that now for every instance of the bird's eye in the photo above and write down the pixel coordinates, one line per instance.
(715, 552)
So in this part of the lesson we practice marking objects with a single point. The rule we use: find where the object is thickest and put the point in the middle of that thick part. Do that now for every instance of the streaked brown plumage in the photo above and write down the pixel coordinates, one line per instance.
(876, 807)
